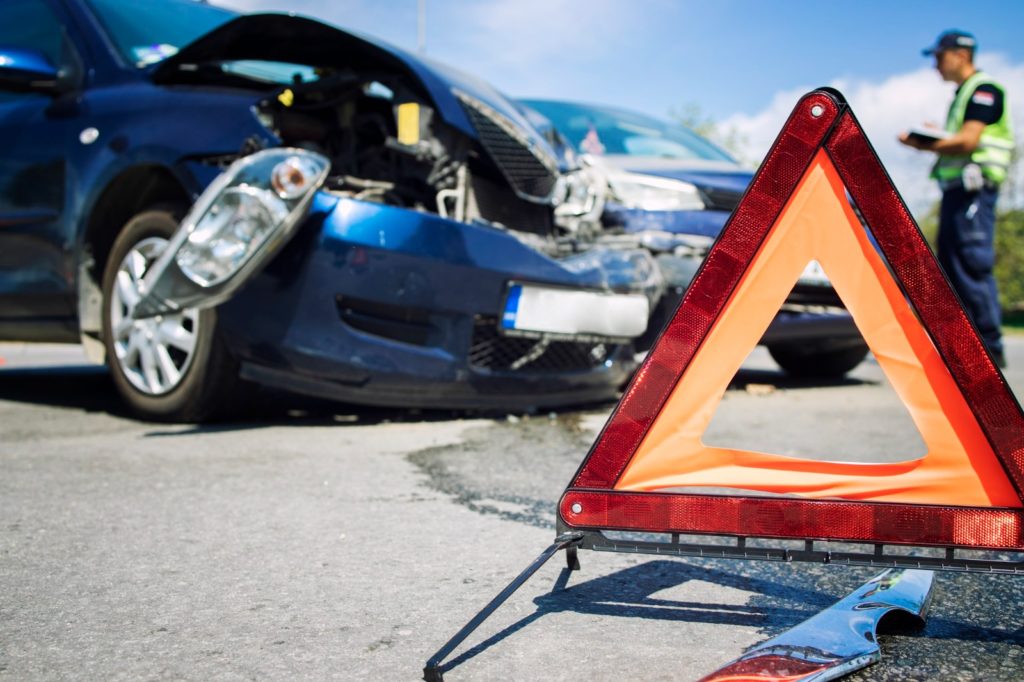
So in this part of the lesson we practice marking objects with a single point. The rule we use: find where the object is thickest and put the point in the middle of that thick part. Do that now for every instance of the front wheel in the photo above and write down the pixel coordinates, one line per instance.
(169, 367)
(816, 362)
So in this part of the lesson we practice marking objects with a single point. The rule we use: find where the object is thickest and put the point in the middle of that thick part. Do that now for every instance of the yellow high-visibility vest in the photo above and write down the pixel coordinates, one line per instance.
(995, 149)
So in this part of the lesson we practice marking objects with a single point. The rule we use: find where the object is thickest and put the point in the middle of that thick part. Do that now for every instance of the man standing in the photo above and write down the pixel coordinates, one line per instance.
(974, 156)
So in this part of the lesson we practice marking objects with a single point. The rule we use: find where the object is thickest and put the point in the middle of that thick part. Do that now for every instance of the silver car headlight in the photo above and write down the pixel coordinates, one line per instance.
(258, 197)
(236, 225)
(651, 193)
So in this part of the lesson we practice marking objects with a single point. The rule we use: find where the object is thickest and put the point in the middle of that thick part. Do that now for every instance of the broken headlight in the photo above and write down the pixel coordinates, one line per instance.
(258, 197)
(236, 225)
(580, 198)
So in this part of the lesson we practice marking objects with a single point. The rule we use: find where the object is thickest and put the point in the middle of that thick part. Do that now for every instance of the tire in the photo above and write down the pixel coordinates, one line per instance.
(816, 362)
(169, 367)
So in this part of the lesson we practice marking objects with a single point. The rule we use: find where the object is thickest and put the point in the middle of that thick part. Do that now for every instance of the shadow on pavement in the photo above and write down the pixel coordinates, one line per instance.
(629, 593)
(90, 389)
(775, 604)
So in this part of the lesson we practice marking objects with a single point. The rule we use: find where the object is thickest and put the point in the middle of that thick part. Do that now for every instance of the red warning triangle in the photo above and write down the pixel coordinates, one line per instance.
(967, 489)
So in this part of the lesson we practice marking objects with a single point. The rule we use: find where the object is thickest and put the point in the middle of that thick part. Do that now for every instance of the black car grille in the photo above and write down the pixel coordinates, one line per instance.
(524, 169)
(492, 351)
(499, 204)
(720, 199)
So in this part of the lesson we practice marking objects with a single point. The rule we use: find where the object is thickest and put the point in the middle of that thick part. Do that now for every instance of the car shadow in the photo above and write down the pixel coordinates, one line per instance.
(272, 408)
(89, 388)
(748, 379)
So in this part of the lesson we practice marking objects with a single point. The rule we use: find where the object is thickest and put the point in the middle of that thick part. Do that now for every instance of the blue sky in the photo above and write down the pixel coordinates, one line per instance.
(743, 62)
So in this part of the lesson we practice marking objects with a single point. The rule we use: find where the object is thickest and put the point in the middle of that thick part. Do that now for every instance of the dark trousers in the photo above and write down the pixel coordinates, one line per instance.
(967, 223)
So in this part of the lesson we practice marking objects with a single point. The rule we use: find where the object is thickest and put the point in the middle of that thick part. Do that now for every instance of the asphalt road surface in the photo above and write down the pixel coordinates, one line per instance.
(318, 541)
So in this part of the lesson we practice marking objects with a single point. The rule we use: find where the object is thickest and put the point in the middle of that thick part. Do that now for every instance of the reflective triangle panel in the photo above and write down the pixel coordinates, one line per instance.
(965, 491)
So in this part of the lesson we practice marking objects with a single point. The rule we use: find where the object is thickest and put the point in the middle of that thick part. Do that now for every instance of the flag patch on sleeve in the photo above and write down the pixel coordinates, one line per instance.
(984, 98)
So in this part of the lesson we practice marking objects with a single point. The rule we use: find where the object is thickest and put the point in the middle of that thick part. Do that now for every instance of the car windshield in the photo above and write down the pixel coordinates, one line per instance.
(605, 130)
(149, 31)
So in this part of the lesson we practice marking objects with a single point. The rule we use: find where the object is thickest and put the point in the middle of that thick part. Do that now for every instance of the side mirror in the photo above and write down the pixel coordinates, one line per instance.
(23, 70)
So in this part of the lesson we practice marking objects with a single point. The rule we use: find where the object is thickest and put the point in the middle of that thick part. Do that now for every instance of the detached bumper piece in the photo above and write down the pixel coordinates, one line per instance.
(840, 639)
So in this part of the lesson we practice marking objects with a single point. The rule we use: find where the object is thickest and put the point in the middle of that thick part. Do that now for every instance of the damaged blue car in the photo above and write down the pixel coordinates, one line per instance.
(674, 190)
(207, 200)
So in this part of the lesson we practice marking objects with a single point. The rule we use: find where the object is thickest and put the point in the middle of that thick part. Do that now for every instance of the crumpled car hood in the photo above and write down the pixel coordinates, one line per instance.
(299, 40)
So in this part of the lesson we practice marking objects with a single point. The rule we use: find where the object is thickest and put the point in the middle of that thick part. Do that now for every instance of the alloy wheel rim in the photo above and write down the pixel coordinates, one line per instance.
(153, 353)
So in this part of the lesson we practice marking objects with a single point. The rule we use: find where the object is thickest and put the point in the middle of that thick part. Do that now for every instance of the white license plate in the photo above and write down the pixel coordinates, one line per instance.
(814, 274)
(551, 310)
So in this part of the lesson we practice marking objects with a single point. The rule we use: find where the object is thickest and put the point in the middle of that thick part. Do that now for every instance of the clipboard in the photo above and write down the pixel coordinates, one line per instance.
(927, 135)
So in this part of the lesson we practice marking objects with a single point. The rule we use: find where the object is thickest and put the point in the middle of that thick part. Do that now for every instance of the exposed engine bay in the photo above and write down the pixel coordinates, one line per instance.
(387, 144)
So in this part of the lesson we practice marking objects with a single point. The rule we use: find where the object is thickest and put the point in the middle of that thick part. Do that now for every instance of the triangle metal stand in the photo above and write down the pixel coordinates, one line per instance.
(434, 670)
(727, 548)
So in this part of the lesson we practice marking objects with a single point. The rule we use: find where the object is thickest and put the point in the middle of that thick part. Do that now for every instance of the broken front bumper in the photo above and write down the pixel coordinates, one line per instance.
(381, 305)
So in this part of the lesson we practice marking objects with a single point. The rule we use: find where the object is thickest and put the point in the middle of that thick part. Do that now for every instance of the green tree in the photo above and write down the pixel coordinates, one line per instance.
(1009, 268)
(929, 224)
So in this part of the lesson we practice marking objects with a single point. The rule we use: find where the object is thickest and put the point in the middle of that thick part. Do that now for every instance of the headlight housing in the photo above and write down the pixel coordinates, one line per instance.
(651, 193)
(236, 225)
(258, 198)
(580, 196)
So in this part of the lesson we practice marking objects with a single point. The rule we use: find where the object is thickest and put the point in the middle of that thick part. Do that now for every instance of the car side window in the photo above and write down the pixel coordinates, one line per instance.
(31, 24)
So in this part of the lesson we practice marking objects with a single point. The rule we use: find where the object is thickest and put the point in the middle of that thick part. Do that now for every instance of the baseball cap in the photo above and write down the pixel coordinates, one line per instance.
(951, 40)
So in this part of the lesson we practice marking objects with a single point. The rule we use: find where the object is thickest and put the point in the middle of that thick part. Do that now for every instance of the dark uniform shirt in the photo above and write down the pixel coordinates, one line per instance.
(986, 105)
